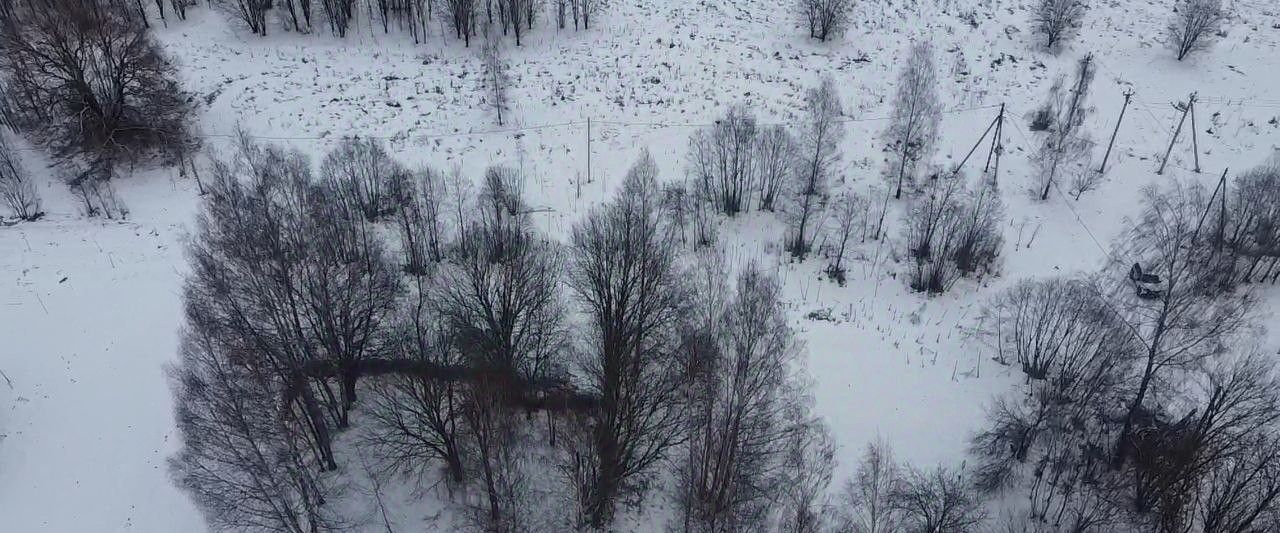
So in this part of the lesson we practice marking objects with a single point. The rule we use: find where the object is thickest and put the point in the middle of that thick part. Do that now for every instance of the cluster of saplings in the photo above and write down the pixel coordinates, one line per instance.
(1193, 25)
(952, 227)
(1144, 403)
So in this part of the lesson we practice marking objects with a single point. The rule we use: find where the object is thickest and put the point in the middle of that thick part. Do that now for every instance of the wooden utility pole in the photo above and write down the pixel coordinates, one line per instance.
(1185, 109)
(990, 127)
(996, 141)
(1066, 127)
(1127, 95)
(997, 147)
(1220, 189)
(1195, 145)
(1222, 215)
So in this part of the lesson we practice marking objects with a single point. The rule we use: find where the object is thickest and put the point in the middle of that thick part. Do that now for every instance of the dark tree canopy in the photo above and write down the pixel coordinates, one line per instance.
(86, 79)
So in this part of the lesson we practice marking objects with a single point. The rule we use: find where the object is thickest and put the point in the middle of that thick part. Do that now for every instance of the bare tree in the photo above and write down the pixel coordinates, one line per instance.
(805, 475)
(496, 77)
(936, 502)
(933, 230)
(294, 9)
(462, 16)
(819, 154)
(244, 460)
(422, 219)
(339, 13)
(252, 12)
(17, 190)
(284, 279)
(1075, 353)
(776, 150)
(979, 241)
(518, 15)
(851, 212)
(1243, 488)
(868, 497)
(90, 180)
(1057, 20)
(1247, 226)
(917, 113)
(749, 414)
(1067, 146)
(724, 160)
(624, 271)
(348, 286)
(295, 280)
(497, 454)
(1083, 181)
(1184, 319)
(1059, 331)
(500, 297)
(87, 80)
(180, 7)
(1235, 404)
(826, 18)
(361, 173)
(584, 10)
(1194, 25)
(501, 293)
(415, 422)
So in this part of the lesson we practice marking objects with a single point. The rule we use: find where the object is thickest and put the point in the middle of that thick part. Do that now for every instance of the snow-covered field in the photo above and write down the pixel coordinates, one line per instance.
(90, 309)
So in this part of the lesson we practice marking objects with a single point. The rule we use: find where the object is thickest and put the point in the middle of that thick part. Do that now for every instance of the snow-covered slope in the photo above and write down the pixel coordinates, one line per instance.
(90, 309)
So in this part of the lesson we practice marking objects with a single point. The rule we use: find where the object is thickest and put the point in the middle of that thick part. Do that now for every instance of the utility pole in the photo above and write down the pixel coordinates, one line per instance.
(1195, 146)
(990, 127)
(1083, 77)
(1220, 189)
(997, 146)
(1066, 127)
(995, 142)
(1222, 215)
(1127, 95)
(1190, 101)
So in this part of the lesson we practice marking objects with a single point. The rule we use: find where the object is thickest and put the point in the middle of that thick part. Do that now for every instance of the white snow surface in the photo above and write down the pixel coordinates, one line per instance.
(90, 309)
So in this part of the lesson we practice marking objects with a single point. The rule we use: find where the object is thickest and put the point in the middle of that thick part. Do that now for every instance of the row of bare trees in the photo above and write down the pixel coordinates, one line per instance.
(952, 229)
(465, 17)
(738, 162)
(616, 356)
(1193, 24)
(886, 496)
(1143, 403)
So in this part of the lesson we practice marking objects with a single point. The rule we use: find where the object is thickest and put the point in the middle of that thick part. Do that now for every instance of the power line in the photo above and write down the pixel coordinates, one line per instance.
(841, 120)
(220, 136)
(519, 129)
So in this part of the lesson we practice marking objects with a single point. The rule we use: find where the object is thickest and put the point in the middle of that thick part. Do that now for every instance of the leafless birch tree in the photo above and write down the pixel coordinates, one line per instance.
(917, 114)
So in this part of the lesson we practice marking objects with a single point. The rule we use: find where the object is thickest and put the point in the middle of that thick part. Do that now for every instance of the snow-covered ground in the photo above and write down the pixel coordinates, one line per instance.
(90, 309)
